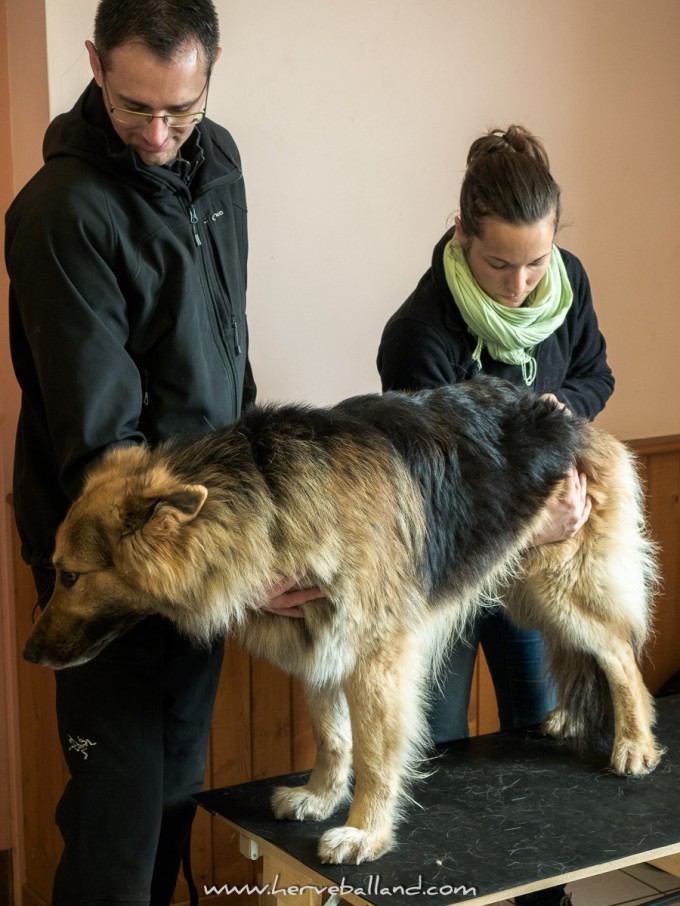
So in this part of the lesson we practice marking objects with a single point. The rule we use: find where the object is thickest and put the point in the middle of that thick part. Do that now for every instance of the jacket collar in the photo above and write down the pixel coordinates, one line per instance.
(86, 132)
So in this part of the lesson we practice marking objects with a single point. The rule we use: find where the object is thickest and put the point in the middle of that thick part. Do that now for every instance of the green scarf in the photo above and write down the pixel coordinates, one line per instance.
(511, 335)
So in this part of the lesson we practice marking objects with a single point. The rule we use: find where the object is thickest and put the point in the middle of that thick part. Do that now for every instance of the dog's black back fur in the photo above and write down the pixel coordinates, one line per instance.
(472, 448)
(485, 454)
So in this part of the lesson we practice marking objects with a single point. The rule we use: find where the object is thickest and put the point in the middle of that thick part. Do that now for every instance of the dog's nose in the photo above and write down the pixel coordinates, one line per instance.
(31, 653)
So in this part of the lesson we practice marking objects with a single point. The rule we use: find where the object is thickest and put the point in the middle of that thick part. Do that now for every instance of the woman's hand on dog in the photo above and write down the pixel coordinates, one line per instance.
(286, 597)
(553, 399)
(569, 512)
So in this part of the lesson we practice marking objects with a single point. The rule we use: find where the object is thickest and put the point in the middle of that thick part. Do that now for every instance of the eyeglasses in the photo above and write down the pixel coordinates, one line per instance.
(135, 119)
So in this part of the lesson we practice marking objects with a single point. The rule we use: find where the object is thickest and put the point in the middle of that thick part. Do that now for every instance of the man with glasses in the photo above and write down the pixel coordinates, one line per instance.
(127, 262)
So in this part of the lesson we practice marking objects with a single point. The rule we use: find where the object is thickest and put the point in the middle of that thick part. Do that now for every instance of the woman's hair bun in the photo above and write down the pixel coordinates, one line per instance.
(507, 177)
(513, 138)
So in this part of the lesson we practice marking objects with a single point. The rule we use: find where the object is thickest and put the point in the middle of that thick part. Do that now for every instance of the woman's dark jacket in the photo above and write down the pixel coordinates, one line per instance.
(427, 344)
(127, 304)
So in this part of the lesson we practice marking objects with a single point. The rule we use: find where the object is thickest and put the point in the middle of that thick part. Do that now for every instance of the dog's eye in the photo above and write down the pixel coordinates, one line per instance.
(68, 580)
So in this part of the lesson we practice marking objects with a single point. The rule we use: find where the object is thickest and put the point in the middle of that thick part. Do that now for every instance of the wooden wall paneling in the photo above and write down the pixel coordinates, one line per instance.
(231, 753)
(660, 468)
(487, 709)
(43, 768)
(271, 721)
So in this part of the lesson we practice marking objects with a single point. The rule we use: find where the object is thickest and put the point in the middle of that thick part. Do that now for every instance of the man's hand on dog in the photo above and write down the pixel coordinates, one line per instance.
(286, 597)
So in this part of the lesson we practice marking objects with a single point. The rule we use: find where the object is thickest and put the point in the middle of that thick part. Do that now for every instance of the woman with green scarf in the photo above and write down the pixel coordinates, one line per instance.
(501, 298)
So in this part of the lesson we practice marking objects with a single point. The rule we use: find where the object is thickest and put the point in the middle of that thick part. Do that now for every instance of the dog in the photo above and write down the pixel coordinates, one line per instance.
(410, 512)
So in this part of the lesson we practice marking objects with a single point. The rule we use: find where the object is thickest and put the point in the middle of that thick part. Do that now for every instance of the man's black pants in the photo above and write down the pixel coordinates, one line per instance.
(134, 725)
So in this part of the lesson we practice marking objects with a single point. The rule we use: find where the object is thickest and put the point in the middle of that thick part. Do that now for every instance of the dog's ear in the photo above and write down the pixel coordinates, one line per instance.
(183, 503)
(179, 505)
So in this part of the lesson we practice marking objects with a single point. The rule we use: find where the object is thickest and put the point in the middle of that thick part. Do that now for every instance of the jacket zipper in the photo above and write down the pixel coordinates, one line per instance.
(237, 342)
(234, 324)
(193, 218)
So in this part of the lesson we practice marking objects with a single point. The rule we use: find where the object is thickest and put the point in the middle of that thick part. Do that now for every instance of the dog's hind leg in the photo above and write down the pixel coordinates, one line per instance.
(328, 785)
(587, 612)
(634, 751)
(389, 733)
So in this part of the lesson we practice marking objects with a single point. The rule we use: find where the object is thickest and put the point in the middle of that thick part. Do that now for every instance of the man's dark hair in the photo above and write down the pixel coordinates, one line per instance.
(164, 26)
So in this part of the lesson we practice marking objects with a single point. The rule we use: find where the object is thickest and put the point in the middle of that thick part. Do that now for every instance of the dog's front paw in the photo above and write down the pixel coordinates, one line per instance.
(352, 845)
(636, 758)
(299, 803)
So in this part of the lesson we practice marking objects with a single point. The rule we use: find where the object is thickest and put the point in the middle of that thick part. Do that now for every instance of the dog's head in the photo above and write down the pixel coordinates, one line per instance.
(121, 554)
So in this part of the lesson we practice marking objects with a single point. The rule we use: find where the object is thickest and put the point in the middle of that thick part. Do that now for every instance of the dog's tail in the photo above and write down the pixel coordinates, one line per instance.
(584, 715)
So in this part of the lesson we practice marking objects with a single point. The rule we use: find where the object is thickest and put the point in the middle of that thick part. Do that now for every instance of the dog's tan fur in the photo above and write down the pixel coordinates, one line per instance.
(142, 538)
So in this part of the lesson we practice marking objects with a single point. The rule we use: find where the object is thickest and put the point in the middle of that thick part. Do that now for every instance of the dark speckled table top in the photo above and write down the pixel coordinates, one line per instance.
(500, 814)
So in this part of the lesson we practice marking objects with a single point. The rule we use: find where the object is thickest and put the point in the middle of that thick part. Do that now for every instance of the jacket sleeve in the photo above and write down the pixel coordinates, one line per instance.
(69, 331)
(589, 381)
(413, 356)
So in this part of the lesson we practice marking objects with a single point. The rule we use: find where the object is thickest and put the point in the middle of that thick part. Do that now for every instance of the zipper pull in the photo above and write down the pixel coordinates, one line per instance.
(237, 344)
(193, 218)
(145, 399)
